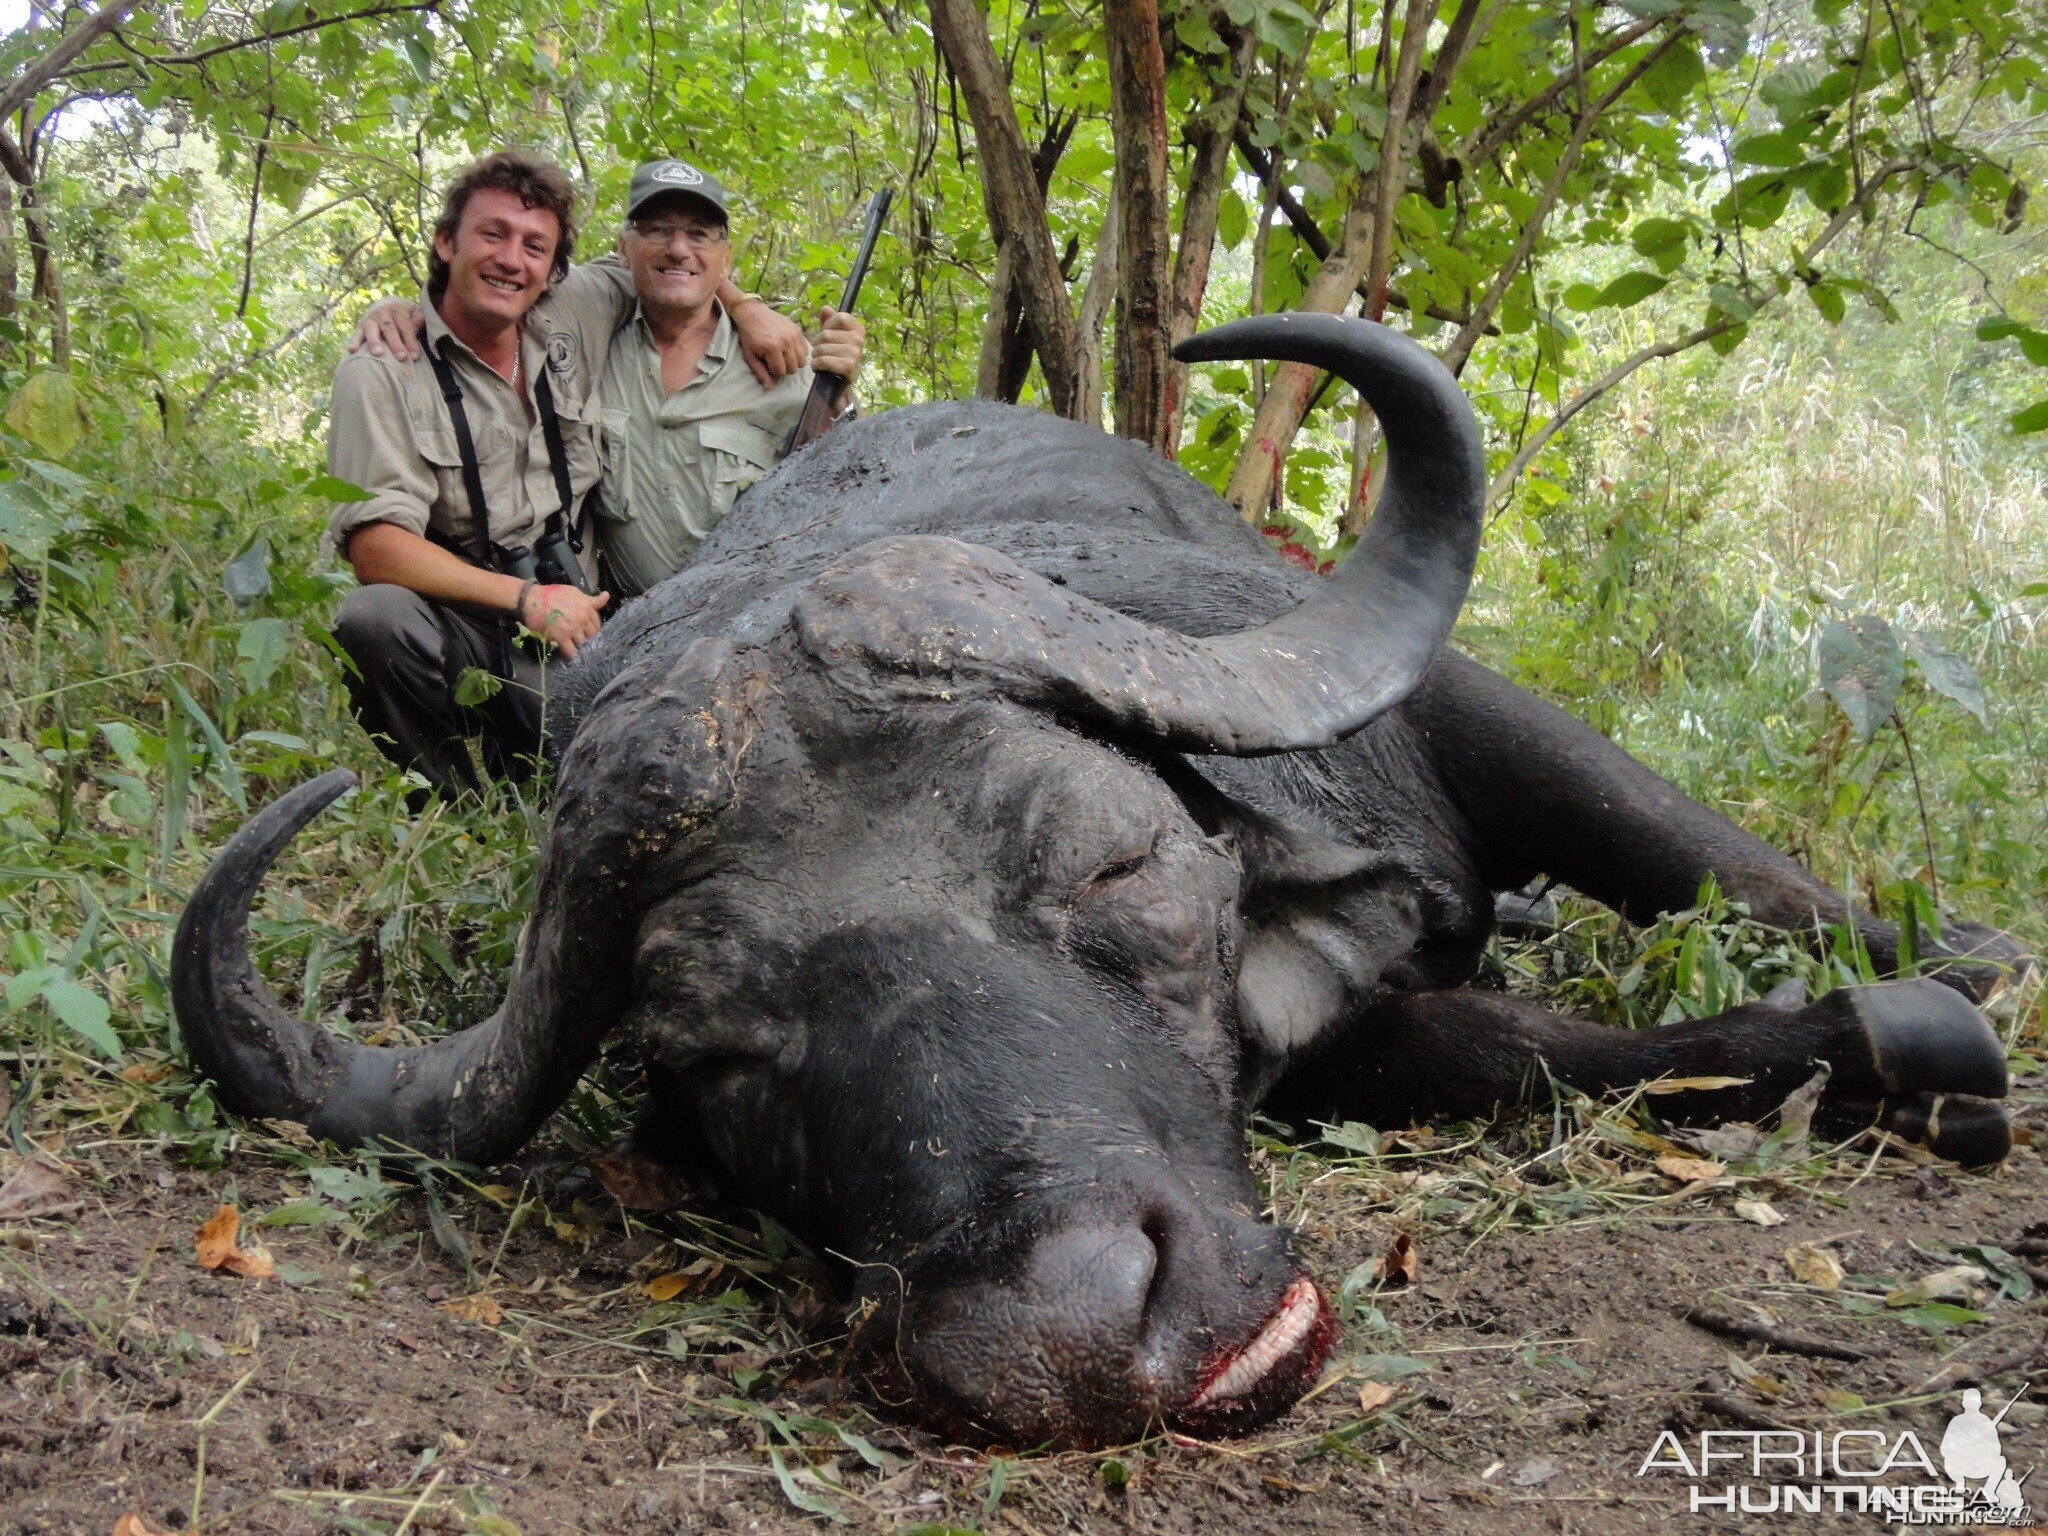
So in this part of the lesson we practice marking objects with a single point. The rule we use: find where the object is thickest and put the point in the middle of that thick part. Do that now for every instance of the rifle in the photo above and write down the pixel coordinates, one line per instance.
(816, 420)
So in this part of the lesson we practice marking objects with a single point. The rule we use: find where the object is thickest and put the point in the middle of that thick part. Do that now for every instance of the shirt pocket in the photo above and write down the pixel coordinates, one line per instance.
(450, 514)
(582, 442)
(741, 453)
(615, 446)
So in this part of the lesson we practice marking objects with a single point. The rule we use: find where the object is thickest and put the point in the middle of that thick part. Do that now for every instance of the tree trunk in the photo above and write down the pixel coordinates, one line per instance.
(1095, 302)
(1255, 481)
(48, 288)
(10, 282)
(1209, 139)
(1137, 105)
(1005, 342)
(1009, 187)
(1364, 254)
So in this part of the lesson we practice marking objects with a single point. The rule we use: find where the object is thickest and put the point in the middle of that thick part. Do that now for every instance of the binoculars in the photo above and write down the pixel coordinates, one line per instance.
(551, 561)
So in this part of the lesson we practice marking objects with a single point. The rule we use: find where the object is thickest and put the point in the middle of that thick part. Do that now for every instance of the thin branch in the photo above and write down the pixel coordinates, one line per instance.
(52, 65)
(1505, 481)
(1493, 135)
(166, 60)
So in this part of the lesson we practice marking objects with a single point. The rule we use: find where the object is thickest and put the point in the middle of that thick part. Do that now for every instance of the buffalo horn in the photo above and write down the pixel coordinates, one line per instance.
(931, 611)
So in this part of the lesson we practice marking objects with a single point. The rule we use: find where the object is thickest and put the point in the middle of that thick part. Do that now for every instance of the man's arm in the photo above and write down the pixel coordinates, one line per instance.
(385, 552)
(595, 299)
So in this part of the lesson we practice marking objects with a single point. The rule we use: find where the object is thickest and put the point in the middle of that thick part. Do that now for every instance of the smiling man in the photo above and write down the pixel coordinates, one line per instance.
(687, 425)
(469, 456)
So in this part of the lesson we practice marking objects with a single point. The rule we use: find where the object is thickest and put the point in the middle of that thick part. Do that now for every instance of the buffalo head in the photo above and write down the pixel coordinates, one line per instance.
(937, 945)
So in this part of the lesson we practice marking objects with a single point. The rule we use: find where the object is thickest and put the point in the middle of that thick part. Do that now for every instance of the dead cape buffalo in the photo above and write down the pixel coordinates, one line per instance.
(988, 820)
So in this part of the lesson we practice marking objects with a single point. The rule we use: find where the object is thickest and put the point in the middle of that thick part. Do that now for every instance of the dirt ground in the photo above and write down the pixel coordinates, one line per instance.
(601, 1382)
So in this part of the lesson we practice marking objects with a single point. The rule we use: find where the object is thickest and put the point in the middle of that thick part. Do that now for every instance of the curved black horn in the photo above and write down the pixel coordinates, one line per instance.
(475, 1095)
(938, 610)
(652, 763)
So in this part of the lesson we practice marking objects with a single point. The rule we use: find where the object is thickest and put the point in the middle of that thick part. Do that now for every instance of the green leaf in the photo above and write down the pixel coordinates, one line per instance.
(220, 759)
(1732, 302)
(808, 1502)
(1827, 298)
(1776, 150)
(476, 686)
(1862, 669)
(1631, 288)
(1668, 81)
(330, 488)
(247, 577)
(1662, 241)
(1998, 330)
(2033, 419)
(259, 648)
(84, 1012)
(418, 56)
(49, 411)
(1725, 342)
(1946, 673)
(1232, 219)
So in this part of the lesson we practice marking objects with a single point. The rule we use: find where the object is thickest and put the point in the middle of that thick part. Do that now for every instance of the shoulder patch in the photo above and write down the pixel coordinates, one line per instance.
(561, 348)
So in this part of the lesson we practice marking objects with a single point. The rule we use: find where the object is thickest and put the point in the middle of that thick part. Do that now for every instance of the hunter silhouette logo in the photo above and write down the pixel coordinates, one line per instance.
(1971, 1452)
(1866, 1471)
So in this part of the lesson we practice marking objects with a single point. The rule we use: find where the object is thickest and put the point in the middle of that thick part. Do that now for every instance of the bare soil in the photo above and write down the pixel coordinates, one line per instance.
(359, 1392)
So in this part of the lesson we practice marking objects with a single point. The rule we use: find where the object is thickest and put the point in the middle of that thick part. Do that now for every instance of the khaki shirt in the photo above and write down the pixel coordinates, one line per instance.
(389, 432)
(674, 463)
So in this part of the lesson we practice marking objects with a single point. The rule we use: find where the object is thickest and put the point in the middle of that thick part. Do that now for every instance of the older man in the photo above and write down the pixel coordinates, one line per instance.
(688, 423)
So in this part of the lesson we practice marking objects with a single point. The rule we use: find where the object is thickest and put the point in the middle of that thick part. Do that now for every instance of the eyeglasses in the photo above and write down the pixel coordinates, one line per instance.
(696, 236)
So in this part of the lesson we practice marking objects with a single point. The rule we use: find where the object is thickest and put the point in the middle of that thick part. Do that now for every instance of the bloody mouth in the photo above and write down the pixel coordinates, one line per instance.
(1270, 1370)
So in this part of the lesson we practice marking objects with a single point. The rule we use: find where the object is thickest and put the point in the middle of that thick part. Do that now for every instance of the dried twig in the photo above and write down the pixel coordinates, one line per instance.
(1739, 1411)
(1777, 1338)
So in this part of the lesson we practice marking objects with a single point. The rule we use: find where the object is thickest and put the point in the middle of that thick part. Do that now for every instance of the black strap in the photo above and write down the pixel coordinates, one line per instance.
(472, 475)
(465, 445)
(558, 460)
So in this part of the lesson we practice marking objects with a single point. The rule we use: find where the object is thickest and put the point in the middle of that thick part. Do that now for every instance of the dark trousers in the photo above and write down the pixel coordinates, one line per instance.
(410, 653)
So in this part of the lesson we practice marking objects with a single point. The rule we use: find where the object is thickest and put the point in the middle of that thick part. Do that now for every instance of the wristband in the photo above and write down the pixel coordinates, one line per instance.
(744, 300)
(519, 603)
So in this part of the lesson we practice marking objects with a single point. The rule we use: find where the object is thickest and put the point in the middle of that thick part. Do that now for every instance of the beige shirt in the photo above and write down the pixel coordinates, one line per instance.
(389, 432)
(673, 463)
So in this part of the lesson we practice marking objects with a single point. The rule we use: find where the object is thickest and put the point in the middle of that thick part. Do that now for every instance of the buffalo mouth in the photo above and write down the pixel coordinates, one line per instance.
(1267, 1373)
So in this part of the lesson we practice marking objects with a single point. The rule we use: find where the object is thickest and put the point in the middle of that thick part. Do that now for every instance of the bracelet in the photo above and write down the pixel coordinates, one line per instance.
(745, 299)
(519, 603)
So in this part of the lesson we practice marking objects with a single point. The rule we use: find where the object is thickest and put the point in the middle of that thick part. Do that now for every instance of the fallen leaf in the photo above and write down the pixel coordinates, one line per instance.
(1530, 1473)
(1689, 1170)
(218, 1248)
(1400, 1264)
(1374, 1396)
(667, 1287)
(637, 1181)
(1695, 1084)
(135, 1525)
(1762, 1212)
(1814, 1266)
(499, 1194)
(145, 1072)
(1795, 1115)
(474, 1309)
(1959, 1282)
(41, 1186)
(1729, 1142)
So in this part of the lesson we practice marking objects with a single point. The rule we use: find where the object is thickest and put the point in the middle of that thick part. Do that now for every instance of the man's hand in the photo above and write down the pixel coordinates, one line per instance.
(842, 340)
(390, 325)
(773, 347)
(563, 616)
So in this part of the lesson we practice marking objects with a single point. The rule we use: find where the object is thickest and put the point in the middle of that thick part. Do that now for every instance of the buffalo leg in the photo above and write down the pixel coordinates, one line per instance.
(1546, 795)
(1911, 1056)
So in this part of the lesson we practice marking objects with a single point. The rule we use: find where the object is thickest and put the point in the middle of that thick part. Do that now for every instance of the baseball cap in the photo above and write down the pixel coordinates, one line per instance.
(661, 178)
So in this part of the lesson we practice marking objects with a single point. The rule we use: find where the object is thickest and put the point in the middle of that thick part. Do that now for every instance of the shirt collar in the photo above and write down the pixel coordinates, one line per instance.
(723, 336)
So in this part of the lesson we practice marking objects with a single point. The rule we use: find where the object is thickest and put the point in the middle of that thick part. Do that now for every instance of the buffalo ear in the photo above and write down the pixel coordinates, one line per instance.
(1311, 906)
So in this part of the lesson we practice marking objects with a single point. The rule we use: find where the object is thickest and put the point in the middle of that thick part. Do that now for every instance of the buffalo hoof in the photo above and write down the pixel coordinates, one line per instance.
(1925, 1038)
(1973, 1132)
(1977, 960)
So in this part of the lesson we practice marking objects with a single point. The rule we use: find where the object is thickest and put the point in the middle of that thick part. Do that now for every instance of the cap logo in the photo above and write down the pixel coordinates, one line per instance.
(673, 173)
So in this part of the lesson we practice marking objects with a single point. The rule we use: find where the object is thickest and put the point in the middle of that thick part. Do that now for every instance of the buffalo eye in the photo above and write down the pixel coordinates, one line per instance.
(1120, 869)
